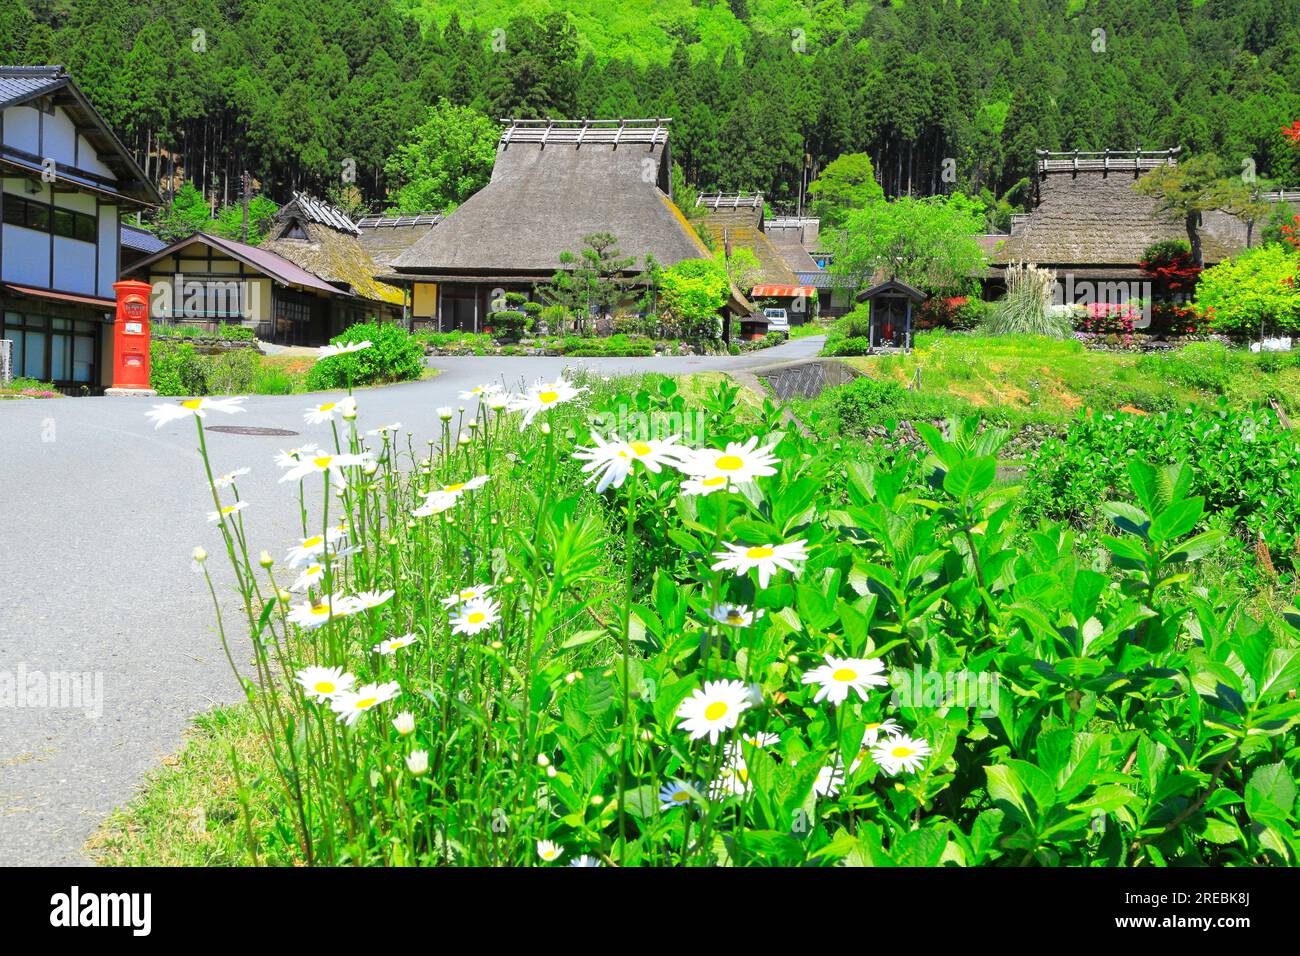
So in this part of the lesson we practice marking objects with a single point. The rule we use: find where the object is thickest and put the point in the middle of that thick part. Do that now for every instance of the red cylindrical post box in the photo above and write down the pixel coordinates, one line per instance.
(131, 336)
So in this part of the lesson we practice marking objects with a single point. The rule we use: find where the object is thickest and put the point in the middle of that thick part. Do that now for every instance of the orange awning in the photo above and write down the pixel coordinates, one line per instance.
(93, 301)
(783, 291)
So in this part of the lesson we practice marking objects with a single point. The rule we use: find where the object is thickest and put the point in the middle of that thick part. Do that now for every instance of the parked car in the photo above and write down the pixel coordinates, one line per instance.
(777, 321)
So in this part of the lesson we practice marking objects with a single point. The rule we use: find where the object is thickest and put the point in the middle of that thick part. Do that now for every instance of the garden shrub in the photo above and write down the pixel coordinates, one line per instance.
(1258, 288)
(853, 346)
(233, 372)
(864, 402)
(176, 369)
(509, 326)
(394, 355)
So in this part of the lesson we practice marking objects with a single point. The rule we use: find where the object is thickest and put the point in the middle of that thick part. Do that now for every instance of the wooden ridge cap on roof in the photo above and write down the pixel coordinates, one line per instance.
(585, 131)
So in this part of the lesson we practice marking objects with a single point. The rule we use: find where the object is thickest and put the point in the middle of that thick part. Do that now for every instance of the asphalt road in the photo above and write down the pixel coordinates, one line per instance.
(98, 515)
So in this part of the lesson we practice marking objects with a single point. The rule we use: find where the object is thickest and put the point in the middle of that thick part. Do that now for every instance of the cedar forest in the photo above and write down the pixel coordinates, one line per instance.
(762, 93)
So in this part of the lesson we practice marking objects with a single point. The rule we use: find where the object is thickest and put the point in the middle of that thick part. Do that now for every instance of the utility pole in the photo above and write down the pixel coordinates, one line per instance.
(243, 189)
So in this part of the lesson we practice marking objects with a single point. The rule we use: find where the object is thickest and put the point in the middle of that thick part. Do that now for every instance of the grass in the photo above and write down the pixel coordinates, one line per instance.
(1038, 380)
(20, 388)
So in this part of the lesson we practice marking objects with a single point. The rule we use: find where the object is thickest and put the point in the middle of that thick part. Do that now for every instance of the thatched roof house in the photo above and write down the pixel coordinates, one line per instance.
(738, 217)
(387, 237)
(325, 242)
(554, 182)
(1087, 220)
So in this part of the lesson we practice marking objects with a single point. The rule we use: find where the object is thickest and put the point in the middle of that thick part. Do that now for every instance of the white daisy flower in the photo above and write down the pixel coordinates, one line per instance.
(385, 429)
(353, 704)
(871, 733)
(418, 762)
(228, 511)
(435, 503)
(229, 478)
(445, 412)
(475, 616)
(312, 574)
(321, 463)
(500, 401)
(543, 396)
(480, 391)
(328, 608)
(460, 487)
(675, 793)
(829, 780)
(714, 709)
(760, 739)
(329, 351)
(765, 557)
(736, 463)
(733, 778)
(476, 593)
(394, 644)
(708, 484)
(287, 459)
(585, 860)
(548, 851)
(735, 615)
(306, 549)
(193, 408)
(404, 723)
(611, 461)
(324, 683)
(369, 600)
(900, 753)
(325, 412)
(839, 675)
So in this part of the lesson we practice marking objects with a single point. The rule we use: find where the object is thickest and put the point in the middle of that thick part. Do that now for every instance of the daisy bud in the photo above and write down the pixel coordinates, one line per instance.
(597, 799)
(496, 645)
(404, 723)
(445, 414)
(570, 677)
(199, 555)
(392, 542)
(510, 579)
(418, 762)
(552, 772)
(546, 428)
(543, 760)
(463, 439)
(265, 559)
(283, 596)
(647, 735)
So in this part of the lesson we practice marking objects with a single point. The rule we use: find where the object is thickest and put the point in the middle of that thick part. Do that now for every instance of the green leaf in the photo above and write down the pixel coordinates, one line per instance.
(919, 848)
(1270, 794)
(1177, 520)
(970, 477)
(1281, 672)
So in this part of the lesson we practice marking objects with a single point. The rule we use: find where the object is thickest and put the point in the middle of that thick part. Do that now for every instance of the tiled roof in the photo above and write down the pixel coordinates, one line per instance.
(19, 83)
(315, 210)
(140, 240)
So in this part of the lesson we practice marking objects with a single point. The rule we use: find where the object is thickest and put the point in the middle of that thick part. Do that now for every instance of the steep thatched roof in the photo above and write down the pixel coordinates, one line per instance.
(1092, 216)
(553, 184)
(387, 237)
(742, 222)
(793, 237)
(322, 240)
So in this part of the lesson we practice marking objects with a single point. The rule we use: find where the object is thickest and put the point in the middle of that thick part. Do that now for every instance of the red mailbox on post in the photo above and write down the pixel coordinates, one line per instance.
(131, 339)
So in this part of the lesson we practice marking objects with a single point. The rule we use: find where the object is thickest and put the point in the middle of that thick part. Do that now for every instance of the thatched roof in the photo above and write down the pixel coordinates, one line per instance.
(1092, 216)
(740, 218)
(553, 183)
(330, 248)
(387, 237)
(794, 237)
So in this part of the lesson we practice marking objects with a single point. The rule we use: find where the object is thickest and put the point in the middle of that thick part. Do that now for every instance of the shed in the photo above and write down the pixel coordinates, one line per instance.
(891, 305)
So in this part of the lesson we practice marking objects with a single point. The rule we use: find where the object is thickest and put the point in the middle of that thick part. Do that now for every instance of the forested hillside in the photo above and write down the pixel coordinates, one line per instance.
(762, 92)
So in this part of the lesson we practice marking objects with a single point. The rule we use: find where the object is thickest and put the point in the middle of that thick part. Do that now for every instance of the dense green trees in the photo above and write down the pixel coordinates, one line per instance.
(446, 159)
(763, 93)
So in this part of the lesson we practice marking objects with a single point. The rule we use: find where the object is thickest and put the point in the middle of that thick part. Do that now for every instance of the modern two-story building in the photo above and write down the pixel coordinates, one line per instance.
(66, 183)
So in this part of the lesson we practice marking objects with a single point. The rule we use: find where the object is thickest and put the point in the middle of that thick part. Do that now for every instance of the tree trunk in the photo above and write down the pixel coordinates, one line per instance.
(1193, 223)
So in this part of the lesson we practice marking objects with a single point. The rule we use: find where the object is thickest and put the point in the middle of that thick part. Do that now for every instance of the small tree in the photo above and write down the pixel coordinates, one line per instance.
(744, 268)
(1195, 187)
(448, 158)
(594, 281)
(1255, 293)
(846, 184)
(693, 292)
(187, 214)
(928, 243)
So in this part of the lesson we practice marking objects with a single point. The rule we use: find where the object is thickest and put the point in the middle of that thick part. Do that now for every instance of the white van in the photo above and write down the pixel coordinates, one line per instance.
(777, 321)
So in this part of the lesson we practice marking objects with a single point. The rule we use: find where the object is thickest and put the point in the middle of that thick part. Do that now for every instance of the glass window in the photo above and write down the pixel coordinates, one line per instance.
(64, 222)
(33, 365)
(83, 358)
(15, 210)
(60, 357)
(60, 324)
(85, 228)
(38, 217)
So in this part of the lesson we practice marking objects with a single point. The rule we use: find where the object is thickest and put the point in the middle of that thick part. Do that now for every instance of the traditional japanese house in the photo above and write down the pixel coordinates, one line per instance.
(1089, 225)
(387, 237)
(207, 280)
(66, 182)
(554, 182)
(324, 241)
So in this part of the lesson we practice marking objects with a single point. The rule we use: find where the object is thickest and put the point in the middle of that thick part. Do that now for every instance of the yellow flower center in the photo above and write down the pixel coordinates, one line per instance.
(455, 487)
(193, 404)
(229, 508)
(478, 617)
(735, 618)
(641, 448)
(845, 674)
(365, 703)
(715, 710)
(760, 552)
(320, 609)
(313, 542)
(466, 595)
(324, 687)
(314, 570)
(901, 752)
(326, 407)
(729, 463)
(323, 461)
(714, 481)
(681, 796)
(546, 398)
(873, 726)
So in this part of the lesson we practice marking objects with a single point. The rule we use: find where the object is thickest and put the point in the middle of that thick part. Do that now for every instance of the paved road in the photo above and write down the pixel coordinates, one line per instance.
(98, 515)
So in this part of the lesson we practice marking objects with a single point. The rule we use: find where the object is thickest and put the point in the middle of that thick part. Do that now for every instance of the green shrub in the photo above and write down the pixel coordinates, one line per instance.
(509, 326)
(475, 343)
(227, 331)
(1260, 287)
(865, 402)
(852, 346)
(268, 380)
(1202, 365)
(176, 369)
(394, 355)
(233, 372)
